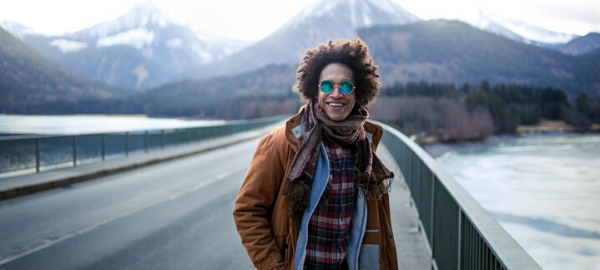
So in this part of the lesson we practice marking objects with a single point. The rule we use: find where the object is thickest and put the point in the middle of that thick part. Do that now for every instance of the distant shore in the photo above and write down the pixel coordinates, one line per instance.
(545, 126)
(552, 126)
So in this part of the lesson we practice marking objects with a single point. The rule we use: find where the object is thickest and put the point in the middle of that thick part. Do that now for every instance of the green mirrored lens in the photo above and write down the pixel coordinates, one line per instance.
(327, 87)
(346, 87)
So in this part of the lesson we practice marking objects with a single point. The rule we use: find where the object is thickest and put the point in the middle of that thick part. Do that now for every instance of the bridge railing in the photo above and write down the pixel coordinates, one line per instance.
(460, 233)
(39, 152)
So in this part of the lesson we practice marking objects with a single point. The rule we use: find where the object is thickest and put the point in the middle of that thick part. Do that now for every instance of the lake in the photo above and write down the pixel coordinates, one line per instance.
(77, 124)
(544, 189)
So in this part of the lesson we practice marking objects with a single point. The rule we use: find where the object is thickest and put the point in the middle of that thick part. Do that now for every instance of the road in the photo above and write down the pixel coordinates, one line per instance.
(174, 215)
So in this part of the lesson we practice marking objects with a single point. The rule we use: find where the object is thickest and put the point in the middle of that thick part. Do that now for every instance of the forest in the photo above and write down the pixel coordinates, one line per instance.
(473, 112)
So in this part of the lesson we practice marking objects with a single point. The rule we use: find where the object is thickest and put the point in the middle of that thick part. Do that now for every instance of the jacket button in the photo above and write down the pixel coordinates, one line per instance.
(391, 235)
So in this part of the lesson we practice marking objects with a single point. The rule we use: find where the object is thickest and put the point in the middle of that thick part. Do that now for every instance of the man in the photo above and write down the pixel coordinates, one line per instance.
(316, 195)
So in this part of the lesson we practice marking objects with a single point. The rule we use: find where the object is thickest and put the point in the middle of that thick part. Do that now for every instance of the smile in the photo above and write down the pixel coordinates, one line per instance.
(332, 104)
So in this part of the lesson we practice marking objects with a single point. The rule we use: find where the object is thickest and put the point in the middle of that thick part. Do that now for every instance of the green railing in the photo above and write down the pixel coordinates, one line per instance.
(36, 153)
(460, 233)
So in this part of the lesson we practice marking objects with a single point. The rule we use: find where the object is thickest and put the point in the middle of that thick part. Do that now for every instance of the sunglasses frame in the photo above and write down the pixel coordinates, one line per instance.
(338, 85)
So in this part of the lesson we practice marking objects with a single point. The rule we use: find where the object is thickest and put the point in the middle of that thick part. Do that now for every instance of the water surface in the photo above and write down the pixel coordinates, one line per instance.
(543, 189)
(76, 124)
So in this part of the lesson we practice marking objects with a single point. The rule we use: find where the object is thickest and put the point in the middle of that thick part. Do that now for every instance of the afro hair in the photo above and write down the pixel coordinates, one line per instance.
(352, 53)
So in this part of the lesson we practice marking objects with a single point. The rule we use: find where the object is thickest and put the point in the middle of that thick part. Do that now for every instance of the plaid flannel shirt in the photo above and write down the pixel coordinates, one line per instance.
(330, 225)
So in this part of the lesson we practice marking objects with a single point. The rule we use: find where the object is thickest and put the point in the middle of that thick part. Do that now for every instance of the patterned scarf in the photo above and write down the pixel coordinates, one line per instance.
(370, 174)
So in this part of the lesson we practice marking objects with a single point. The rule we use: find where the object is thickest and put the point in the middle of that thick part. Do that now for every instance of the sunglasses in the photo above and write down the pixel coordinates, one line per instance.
(346, 87)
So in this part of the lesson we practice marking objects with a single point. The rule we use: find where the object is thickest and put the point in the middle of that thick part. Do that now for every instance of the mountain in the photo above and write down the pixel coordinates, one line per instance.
(437, 51)
(456, 52)
(27, 78)
(142, 48)
(518, 30)
(582, 45)
(321, 21)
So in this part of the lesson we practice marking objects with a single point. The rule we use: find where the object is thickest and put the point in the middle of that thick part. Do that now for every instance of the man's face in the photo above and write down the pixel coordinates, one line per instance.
(336, 104)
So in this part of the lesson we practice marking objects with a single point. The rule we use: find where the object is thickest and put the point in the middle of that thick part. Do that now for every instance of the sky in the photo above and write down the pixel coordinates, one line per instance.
(256, 19)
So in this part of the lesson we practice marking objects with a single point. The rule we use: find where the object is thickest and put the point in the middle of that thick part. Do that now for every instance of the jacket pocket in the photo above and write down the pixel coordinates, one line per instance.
(372, 237)
(369, 257)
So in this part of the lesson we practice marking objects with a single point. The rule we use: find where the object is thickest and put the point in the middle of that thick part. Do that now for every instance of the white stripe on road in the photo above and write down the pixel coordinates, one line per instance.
(49, 243)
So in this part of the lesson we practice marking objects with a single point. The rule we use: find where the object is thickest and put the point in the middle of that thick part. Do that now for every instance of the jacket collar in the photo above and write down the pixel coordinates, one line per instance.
(293, 131)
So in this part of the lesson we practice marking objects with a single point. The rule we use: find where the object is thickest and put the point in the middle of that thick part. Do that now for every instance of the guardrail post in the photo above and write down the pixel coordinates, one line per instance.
(103, 146)
(176, 137)
(146, 141)
(74, 151)
(127, 144)
(37, 154)
(162, 139)
(459, 242)
(432, 216)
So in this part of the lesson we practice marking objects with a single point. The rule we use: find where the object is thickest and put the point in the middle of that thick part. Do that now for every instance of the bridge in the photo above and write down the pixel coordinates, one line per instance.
(162, 199)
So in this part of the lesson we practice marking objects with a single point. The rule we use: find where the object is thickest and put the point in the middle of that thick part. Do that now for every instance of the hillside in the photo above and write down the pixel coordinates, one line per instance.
(455, 52)
(27, 78)
(224, 96)
(581, 45)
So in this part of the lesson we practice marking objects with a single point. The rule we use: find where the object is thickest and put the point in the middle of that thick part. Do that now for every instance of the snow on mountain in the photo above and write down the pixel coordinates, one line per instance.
(518, 29)
(66, 46)
(141, 15)
(137, 38)
(535, 33)
(17, 29)
(356, 13)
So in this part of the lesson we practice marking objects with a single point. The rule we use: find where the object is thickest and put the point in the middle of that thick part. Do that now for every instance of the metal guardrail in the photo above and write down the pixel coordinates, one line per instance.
(460, 233)
(19, 153)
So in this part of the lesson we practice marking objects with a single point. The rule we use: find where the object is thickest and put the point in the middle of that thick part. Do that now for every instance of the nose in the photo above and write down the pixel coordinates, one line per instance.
(336, 91)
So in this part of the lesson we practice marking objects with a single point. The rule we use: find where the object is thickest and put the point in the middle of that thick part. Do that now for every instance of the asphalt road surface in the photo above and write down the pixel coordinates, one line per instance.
(173, 215)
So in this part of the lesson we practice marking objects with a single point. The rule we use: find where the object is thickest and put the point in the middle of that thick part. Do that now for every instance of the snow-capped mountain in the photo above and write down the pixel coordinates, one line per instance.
(321, 21)
(352, 14)
(141, 48)
(518, 30)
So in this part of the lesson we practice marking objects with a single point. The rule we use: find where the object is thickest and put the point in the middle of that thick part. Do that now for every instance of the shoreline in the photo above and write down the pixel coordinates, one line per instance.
(437, 148)
(545, 126)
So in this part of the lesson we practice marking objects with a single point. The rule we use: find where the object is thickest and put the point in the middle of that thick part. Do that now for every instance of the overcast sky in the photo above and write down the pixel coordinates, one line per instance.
(253, 20)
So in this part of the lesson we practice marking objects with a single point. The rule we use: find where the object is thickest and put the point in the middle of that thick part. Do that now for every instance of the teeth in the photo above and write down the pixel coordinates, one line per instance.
(336, 104)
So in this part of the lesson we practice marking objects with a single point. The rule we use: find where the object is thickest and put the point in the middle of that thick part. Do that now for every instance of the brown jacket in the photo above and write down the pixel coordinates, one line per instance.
(261, 209)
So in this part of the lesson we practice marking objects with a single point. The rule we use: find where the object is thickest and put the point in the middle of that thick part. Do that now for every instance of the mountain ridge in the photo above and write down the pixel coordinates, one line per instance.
(518, 30)
(582, 45)
(454, 51)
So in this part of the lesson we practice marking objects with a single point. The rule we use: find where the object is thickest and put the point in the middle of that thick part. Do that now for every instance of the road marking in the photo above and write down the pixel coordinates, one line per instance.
(48, 243)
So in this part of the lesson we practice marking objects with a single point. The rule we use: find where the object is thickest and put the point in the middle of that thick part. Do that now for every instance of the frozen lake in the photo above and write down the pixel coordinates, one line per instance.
(543, 189)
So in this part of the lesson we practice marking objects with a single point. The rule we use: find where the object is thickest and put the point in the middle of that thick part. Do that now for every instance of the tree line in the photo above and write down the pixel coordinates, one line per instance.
(471, 112)
(449, 112)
